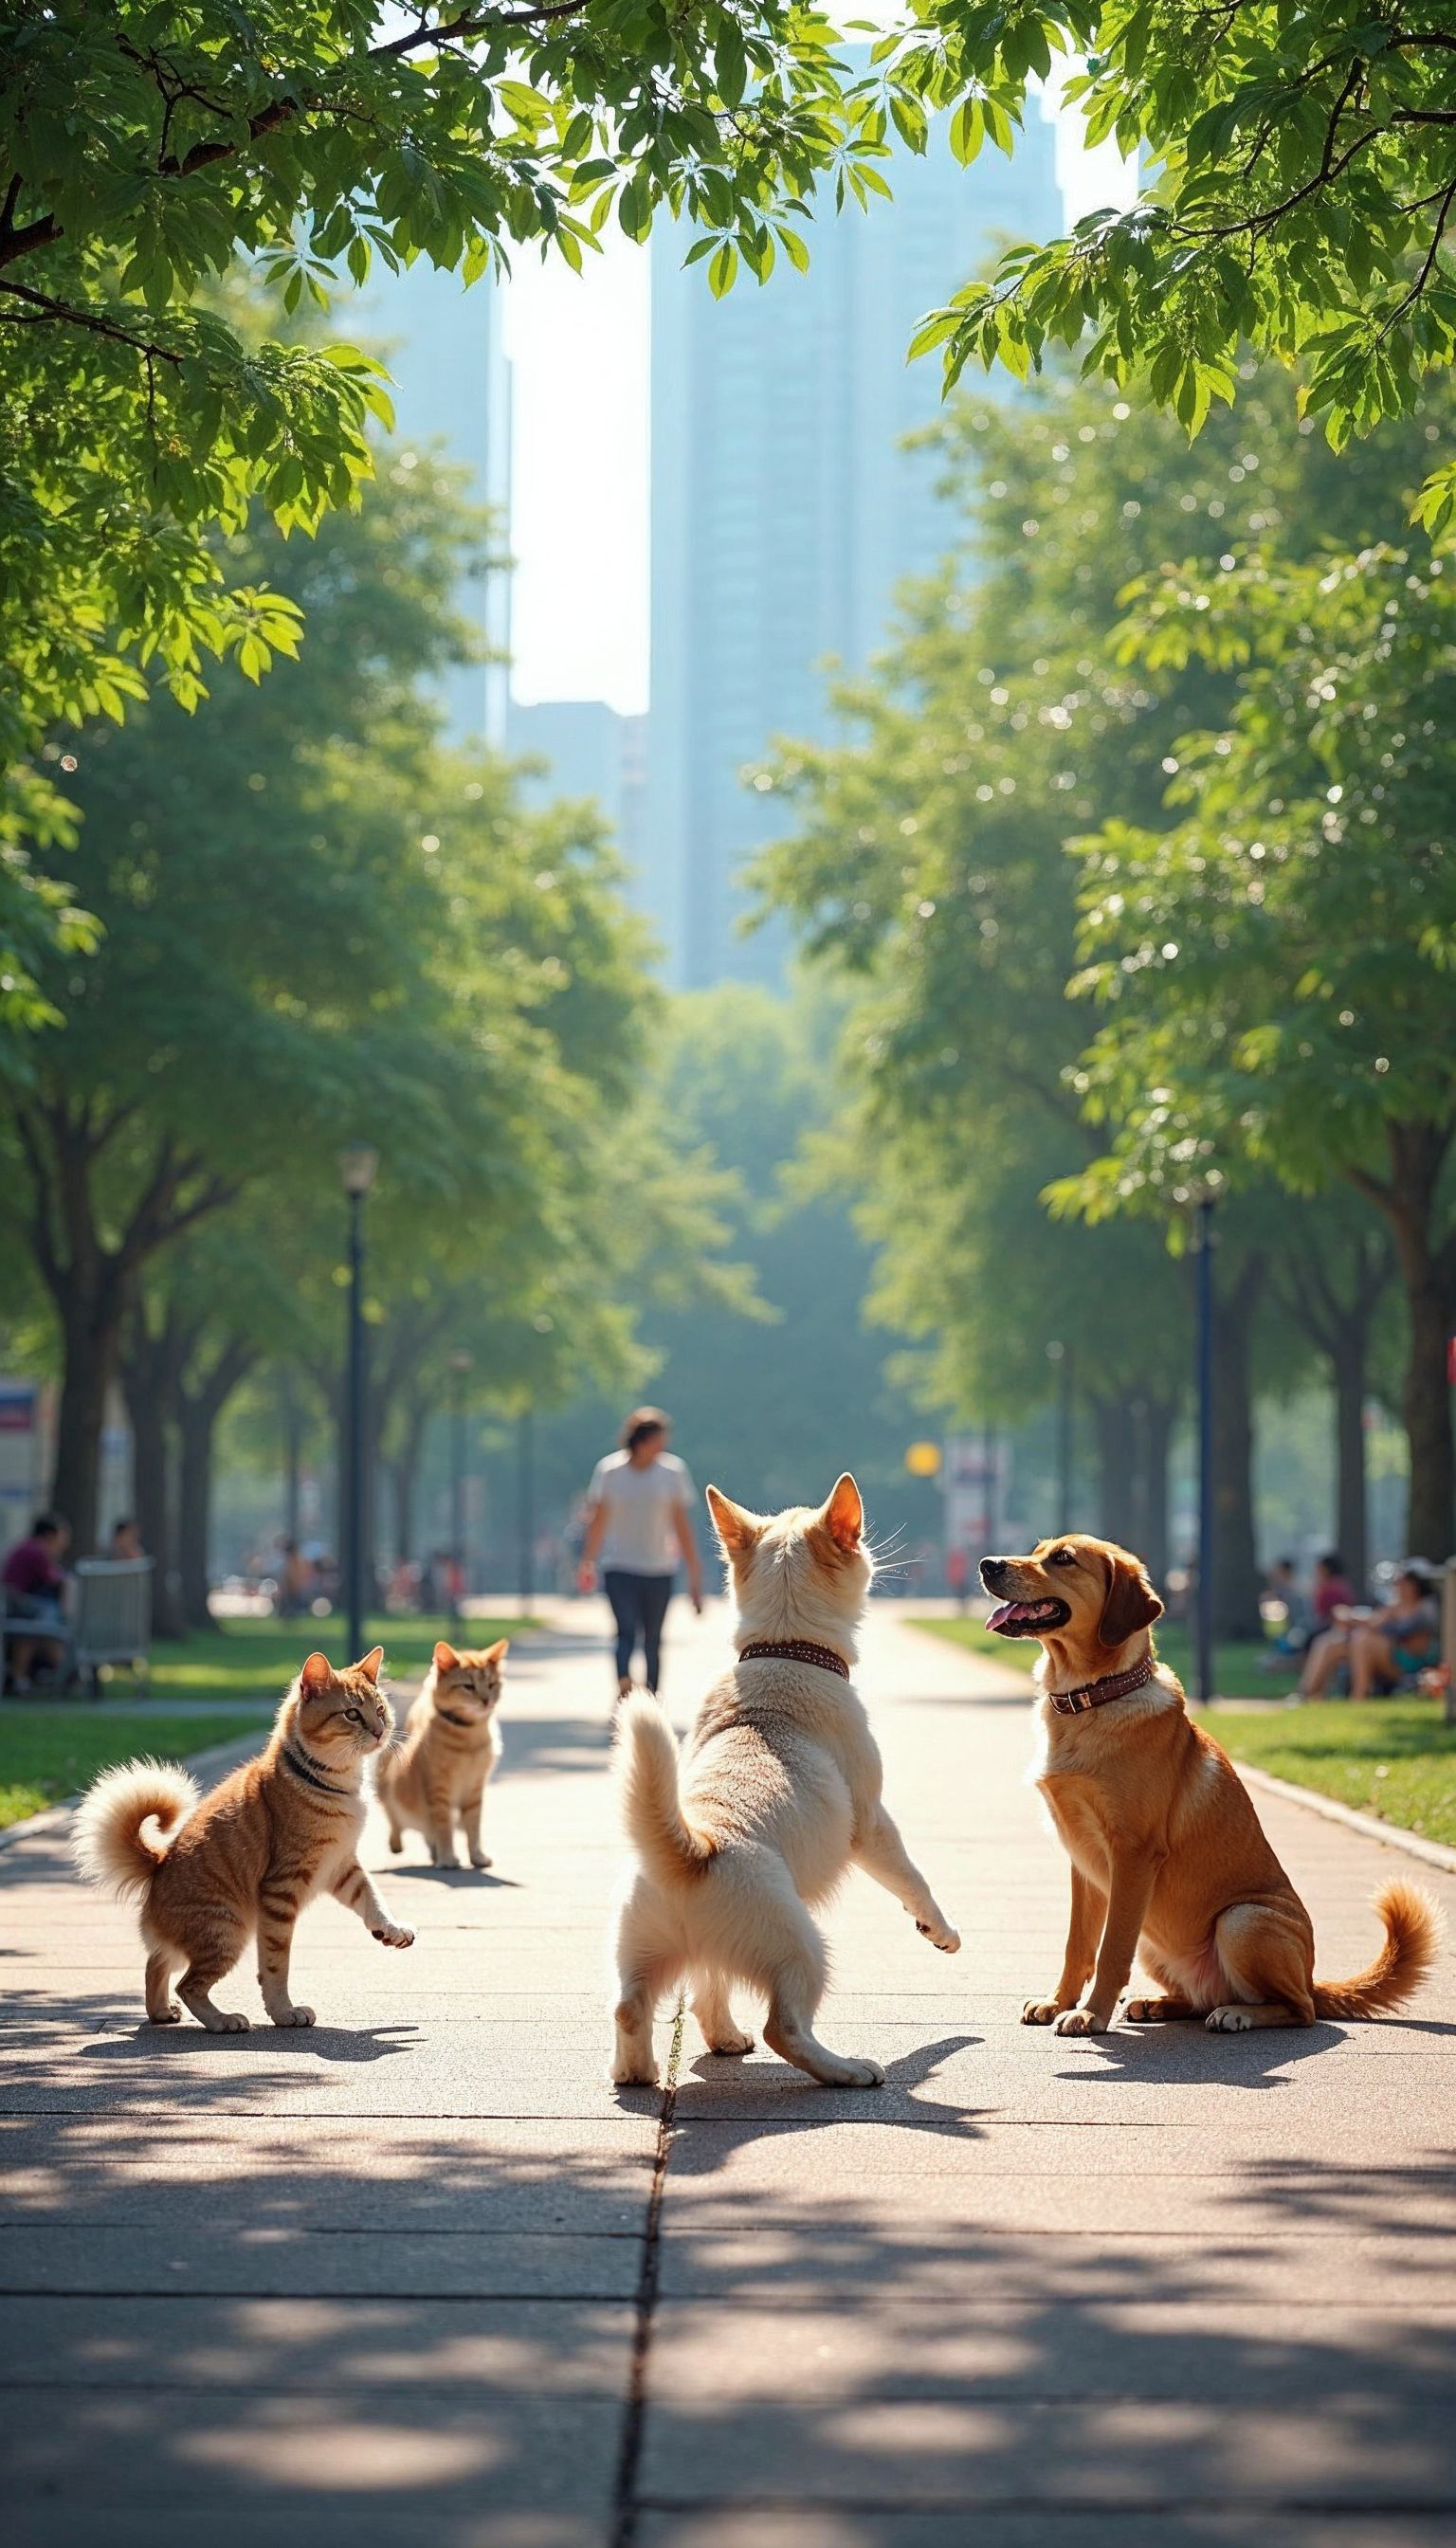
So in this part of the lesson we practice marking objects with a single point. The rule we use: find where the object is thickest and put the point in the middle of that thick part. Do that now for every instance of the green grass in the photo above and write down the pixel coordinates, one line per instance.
(50, 1750)
(1391, 1756)
(1239, 1670)
(257, 1658)
(232, 1682)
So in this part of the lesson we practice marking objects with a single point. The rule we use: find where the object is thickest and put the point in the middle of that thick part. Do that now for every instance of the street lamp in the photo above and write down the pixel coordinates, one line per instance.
(1065, 1358)
(357, 1165)
(461, 1362)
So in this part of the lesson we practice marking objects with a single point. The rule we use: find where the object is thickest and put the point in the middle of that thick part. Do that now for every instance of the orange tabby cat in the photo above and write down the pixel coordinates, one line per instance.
(277, 1830)
(449, 1750)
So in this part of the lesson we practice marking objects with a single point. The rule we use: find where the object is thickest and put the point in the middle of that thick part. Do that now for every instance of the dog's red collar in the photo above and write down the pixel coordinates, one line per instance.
(794, 1650)
(1096, 1693)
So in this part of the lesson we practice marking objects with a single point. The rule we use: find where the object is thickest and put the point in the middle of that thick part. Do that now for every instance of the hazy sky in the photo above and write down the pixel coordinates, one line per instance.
(579, 347)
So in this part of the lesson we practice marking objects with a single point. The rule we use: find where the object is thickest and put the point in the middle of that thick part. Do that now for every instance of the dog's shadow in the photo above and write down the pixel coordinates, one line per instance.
(1181, 2052)
(751, 2097)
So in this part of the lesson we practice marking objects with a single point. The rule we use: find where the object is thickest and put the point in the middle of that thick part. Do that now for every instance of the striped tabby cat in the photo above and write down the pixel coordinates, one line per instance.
(449, 1750)
(246, 1859)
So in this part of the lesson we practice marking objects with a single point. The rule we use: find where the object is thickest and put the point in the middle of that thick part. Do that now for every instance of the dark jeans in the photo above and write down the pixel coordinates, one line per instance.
(639, 1605)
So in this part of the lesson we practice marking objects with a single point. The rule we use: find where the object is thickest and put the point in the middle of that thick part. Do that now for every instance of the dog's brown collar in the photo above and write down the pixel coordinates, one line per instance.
(794, 1650)
(1096, 1693)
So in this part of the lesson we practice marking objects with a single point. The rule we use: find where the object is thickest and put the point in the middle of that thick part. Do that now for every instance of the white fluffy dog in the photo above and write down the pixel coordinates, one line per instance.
(778, 1795)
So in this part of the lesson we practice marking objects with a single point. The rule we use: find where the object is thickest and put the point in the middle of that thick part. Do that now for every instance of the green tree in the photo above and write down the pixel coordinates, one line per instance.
(1300, 177)
(1276, 965)
(283, 889)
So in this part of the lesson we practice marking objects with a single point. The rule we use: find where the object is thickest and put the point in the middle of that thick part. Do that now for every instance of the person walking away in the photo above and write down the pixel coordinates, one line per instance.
(33, 1583)
(639, 1525)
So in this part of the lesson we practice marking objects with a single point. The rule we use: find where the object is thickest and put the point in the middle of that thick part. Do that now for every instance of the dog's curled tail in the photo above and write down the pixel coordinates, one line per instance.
(652, 1810)
(1413, 1931)
(111, 1842)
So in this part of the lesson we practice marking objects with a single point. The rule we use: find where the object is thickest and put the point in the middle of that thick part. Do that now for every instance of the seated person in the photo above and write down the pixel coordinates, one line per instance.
(35, 1586)
(1299, 1618)
(1400, 1641)
(126, 1541)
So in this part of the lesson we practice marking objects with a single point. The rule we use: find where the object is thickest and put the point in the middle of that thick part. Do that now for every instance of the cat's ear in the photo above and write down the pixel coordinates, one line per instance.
(369, 1664)
(316, 1675)
(446, 1658)
(498, 1653)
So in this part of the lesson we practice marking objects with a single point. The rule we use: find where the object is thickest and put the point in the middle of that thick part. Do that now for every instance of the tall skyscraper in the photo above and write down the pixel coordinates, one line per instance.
(452, 391)
(785, 510)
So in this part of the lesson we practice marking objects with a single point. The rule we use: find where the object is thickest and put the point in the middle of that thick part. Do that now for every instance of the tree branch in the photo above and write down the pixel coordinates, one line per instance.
(46, 306)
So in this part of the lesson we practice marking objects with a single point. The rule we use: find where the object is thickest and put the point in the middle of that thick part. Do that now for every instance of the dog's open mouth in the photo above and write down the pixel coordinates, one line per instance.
(1028, 1618)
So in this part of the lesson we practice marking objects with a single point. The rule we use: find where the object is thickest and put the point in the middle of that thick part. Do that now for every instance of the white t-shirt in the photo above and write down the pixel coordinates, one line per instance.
(640, 1505)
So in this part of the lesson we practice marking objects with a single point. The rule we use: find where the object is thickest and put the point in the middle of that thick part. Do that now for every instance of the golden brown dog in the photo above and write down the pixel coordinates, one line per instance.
(1169, 1859)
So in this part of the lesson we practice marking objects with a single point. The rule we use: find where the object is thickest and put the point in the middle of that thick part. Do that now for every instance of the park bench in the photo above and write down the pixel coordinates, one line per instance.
(109, 1621)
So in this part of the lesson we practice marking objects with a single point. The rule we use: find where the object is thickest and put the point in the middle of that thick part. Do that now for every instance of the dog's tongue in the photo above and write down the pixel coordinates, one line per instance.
(1004, 1612)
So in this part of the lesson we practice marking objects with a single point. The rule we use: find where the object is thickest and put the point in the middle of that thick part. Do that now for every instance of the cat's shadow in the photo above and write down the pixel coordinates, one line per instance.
(325, 2042)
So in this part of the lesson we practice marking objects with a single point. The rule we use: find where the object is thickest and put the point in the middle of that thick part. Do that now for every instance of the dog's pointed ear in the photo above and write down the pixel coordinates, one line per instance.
(737, 1529)
(1131, 1603)
(844, 1514)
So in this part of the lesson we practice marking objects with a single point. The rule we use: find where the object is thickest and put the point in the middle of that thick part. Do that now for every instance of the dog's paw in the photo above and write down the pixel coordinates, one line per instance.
(634, 2075)
(1229, 2021)
(947, 1938)
(855, 2074)
(479, 1861)
(1080, 2021)
(392, 1936)
(1143, 2012)
(293, 2016)
(228, 2021)
(1040, 2012)
(397, 1845)
(732, 2040)
(171, 2015)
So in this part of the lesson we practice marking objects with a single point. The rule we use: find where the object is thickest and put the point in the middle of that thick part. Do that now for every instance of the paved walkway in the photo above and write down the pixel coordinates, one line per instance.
(421, 2277)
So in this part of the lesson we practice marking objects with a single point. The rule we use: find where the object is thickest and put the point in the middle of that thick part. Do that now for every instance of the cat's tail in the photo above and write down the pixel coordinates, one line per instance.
(1413, 1930)
(111, 1842)
(647, 1766)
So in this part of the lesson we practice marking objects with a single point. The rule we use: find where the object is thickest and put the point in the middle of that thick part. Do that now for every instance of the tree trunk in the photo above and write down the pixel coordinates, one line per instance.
(1417, 1155)
(1237, 1582)
(1426, 1405)
(403, 1469)
(1352, 1522)
(1157, 1418)
(199, 1409)
(148, 1372)
(293, 1459)
(1116, 1438)
(91, 1334)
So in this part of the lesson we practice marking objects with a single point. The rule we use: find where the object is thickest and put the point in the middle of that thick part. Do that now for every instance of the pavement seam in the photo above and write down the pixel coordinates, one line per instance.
(625, 2502)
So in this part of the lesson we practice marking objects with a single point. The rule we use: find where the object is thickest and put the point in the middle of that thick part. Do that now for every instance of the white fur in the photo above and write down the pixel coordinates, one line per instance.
(777, 1795)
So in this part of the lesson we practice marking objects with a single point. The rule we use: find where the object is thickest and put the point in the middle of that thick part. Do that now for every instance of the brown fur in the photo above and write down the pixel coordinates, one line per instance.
(448, 1753)
(1169, 1859)
(247, 1857)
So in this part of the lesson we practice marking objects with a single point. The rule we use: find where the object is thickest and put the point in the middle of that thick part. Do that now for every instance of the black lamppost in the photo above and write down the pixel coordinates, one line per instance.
(461, 1362)
(1203, 1243)
(356, 1165)
(1065, 1358)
